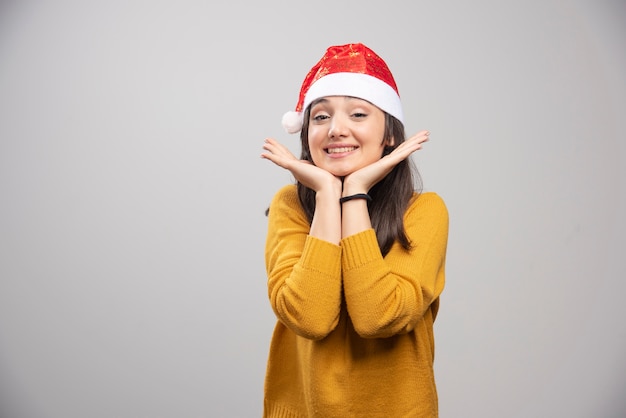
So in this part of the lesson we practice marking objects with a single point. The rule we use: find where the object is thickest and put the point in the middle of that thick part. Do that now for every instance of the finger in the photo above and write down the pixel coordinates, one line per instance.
(272, 144)
(279, 160)
(272, 149)
(420, 137)
(277, 148)
(405, 149)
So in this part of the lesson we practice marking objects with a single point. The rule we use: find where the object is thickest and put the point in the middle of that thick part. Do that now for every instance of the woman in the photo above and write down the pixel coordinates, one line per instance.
(355, 255)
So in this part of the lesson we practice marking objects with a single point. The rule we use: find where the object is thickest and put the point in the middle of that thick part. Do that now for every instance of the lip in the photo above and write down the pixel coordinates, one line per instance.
(340, 150)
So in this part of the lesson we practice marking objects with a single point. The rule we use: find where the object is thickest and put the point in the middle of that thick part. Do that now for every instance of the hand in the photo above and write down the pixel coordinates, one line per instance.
(363, 179)
(309, 175)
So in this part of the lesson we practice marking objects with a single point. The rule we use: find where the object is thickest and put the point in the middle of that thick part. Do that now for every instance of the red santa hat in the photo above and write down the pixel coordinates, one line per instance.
(347, 70)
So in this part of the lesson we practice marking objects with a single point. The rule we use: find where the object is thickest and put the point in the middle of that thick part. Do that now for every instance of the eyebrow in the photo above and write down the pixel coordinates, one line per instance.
(316, 101)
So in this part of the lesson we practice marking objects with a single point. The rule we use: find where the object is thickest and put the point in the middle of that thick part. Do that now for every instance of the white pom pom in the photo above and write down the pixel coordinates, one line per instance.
(292, 122)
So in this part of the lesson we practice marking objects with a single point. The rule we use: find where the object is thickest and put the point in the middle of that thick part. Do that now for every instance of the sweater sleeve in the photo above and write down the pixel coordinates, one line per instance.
(387, 296)
(304, 272)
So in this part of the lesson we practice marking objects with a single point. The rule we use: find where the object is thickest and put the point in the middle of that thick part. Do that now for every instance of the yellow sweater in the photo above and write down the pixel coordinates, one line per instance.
(354, 336)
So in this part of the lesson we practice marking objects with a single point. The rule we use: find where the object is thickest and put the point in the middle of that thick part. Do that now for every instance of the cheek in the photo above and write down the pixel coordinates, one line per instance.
(315, 138)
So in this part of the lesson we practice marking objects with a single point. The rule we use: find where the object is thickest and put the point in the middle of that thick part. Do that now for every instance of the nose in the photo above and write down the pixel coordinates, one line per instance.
(337, 128)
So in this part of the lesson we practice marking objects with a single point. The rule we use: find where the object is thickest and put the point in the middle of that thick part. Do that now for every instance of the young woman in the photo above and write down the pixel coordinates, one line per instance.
(355, 254)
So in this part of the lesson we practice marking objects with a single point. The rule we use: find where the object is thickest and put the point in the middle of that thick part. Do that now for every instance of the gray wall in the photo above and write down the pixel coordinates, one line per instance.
(132, 229)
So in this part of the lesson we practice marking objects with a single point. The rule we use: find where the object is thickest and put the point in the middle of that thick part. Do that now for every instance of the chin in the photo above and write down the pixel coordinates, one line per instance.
(341, 168)
(339, 172)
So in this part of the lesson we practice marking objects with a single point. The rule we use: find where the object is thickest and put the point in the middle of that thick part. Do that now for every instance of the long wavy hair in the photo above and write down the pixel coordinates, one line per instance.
(390, 196)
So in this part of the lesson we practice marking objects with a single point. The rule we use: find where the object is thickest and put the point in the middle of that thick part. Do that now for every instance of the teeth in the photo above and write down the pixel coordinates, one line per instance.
(340, 150)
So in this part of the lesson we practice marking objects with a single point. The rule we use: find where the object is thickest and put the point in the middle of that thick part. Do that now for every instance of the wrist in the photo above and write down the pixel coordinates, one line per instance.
(356, 196)
(330, 195)
(351, 186)
(348, 191)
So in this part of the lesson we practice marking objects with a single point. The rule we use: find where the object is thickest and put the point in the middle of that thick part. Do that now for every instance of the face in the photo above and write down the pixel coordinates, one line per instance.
(345, 134)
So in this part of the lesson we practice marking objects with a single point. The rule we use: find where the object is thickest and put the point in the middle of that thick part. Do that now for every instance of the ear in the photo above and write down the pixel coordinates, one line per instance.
(390, 142)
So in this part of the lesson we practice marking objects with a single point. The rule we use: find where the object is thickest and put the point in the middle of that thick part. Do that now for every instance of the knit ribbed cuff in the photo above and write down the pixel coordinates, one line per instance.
(321, 256)
(359, 250)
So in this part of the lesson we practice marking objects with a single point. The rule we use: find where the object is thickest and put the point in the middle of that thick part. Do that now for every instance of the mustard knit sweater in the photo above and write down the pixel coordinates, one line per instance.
(354, 336)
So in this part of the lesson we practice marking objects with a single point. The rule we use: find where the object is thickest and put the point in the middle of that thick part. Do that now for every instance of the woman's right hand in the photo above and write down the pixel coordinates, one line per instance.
(309, 175)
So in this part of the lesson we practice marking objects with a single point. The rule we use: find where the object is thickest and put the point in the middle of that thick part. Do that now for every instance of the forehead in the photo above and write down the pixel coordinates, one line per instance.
(340, 100)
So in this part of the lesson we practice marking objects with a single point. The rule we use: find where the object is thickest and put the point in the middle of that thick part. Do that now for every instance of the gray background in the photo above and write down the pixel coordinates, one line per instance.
(132, 229)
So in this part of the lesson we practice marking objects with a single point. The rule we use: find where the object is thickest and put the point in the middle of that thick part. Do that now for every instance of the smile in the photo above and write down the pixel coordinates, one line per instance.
(340, 150)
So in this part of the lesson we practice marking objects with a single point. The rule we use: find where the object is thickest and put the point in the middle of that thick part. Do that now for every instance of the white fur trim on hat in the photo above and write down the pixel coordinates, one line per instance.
(362, 86)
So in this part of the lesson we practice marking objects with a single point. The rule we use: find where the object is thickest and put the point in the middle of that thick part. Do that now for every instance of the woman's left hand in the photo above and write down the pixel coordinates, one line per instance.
(363, 179)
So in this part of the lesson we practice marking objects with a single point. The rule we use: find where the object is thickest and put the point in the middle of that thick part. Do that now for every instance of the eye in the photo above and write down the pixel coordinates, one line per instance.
(320, 117)
(359, 115)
